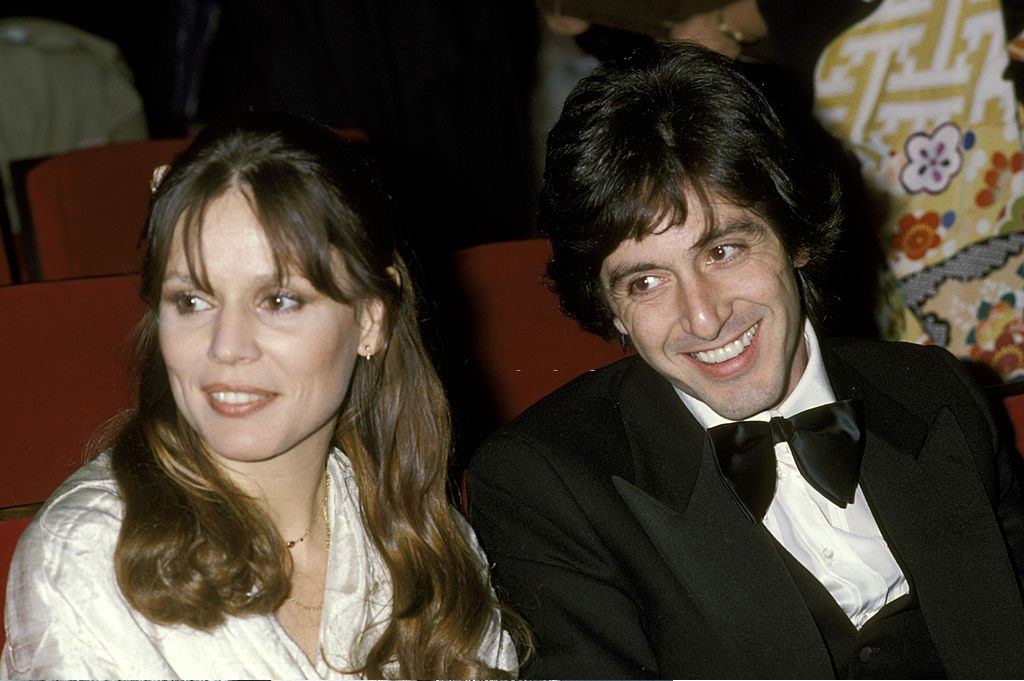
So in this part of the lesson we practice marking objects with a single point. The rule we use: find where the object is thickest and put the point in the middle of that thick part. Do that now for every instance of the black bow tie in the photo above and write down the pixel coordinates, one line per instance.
(827, 443)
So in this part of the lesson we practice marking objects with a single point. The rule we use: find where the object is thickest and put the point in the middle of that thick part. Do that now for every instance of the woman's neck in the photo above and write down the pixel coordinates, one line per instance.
(289, 488)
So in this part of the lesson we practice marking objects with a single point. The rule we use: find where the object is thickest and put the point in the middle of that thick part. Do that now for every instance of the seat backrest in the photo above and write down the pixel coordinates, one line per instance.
(521, 345)
(10, 530)
(88, 207)
(64, 349)
(5, 266)
(1014, 405)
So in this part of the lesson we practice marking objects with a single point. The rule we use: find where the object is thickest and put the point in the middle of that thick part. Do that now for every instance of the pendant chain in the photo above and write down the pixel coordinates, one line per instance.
(327, 529)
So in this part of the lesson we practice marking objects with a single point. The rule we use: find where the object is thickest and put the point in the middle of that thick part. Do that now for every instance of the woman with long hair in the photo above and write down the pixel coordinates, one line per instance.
(274, 505)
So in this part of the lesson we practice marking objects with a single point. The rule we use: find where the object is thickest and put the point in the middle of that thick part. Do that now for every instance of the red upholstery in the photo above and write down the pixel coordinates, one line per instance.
(1015, 410)
(522, 345)
(63, 367)
(88, 207)
(5, 267)
(10, 530)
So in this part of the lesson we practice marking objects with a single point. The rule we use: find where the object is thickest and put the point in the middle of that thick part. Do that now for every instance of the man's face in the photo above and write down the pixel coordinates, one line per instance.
(715, 311)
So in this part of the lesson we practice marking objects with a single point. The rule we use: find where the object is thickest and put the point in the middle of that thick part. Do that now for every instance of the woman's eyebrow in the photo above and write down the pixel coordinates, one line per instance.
(177, 277)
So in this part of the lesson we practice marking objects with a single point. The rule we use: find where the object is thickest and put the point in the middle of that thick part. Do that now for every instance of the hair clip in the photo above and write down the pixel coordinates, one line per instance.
(158, 177)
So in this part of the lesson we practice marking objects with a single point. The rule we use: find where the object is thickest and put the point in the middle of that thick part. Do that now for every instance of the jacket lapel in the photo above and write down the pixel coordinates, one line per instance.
(923, 488)
(728, 566)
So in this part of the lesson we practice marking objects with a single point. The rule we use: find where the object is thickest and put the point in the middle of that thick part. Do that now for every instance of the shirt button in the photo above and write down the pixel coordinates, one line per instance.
(828, 553)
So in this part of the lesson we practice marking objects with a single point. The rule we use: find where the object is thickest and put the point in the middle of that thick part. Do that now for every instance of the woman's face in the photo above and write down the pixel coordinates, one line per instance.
(259, 368)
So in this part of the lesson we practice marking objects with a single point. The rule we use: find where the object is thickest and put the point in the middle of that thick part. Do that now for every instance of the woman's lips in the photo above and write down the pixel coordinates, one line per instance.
(237, 401)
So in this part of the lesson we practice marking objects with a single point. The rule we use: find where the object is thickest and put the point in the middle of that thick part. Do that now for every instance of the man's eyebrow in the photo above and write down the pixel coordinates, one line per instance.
(627, 270)
(723, 229)
(741, 225)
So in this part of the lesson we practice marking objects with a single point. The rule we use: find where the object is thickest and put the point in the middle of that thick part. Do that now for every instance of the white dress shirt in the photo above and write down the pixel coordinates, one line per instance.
(842, 547)
(67, 618)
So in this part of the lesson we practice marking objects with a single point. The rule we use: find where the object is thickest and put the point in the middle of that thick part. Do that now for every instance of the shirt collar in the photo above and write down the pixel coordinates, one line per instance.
(812, 390)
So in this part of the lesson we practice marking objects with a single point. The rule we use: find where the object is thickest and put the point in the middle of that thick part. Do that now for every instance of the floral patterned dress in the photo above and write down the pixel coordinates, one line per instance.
(917, 93)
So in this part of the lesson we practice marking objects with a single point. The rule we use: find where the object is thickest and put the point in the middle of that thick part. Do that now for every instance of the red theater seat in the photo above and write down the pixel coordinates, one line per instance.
(63, 365)
(1014, 405)
(88, 207)
(522, 346)
(5, 267)
(10, 529)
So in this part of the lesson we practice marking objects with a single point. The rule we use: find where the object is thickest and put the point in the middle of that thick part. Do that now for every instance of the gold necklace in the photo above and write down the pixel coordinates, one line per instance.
(327, 529)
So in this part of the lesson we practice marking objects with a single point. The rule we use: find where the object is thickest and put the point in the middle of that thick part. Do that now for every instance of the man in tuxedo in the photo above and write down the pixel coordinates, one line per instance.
(741, 498)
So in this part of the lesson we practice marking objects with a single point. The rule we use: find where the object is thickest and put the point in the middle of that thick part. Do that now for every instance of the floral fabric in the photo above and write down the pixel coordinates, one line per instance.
(916, 91)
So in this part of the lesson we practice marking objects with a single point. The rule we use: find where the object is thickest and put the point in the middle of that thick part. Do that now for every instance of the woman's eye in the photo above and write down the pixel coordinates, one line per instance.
(187, 303)
(282, 302)
(645, 284)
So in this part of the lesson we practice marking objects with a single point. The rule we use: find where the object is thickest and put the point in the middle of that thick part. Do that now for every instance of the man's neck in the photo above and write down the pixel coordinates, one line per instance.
(811, 389)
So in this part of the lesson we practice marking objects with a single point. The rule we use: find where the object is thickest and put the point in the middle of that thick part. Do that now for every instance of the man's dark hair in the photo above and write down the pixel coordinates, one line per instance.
(638, 134)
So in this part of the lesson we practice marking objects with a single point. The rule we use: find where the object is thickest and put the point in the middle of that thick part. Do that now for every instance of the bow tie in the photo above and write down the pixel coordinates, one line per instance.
(827, 443)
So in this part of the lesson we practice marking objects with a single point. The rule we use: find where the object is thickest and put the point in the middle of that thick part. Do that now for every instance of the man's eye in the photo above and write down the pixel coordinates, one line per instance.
(645, 284)
(722, 252)
(187, 303)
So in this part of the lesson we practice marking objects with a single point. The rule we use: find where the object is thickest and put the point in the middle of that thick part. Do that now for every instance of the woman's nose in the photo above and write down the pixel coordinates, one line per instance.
(233, 338)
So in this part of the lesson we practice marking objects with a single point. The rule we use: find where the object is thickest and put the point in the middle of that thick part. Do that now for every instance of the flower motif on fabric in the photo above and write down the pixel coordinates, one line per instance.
(1014, 218)
(998, 338)
(997, 178)
(917, 234)
(932, 160)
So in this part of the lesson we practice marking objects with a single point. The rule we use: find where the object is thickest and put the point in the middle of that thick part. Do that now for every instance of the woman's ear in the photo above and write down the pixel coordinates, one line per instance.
(371, 323)
(800, 259)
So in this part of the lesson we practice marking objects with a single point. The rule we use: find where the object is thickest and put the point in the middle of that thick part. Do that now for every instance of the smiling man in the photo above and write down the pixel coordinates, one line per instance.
(741, 498)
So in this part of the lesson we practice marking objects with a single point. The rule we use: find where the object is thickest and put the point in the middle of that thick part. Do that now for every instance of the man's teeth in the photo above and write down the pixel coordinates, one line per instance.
(727, 351)
(236, 398)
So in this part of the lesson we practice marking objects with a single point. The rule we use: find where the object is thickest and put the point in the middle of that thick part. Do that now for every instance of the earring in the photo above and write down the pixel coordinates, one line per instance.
(367, 355)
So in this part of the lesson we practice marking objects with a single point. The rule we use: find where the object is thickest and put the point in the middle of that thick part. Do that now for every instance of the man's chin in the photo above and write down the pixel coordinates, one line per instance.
(743, 404)
(733, 413)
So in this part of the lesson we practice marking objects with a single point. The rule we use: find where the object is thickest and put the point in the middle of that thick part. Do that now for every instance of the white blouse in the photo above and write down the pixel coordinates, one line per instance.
(66, 617)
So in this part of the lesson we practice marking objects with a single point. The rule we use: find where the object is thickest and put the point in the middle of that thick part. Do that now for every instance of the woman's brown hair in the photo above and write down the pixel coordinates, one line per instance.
(193, 548)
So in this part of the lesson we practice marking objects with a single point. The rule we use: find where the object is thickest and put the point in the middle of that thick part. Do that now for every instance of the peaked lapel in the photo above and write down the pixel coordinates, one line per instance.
(728, 566)
(924, 490)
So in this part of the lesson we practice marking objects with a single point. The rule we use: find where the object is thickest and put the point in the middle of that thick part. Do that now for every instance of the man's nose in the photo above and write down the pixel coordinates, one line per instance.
(234, 339)
(704, 308)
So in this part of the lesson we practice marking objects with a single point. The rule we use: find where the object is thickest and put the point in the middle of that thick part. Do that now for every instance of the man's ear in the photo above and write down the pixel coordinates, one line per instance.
(620, 326)
(800, 259)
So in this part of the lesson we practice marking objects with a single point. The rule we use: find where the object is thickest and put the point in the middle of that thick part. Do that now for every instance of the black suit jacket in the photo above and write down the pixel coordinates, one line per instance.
(611, 532)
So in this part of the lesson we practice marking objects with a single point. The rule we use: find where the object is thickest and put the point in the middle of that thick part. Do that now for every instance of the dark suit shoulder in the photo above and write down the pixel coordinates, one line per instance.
(922, 378)
(578, 426)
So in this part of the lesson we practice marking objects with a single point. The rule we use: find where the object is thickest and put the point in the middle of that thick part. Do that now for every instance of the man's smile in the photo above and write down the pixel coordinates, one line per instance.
(727, 351)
